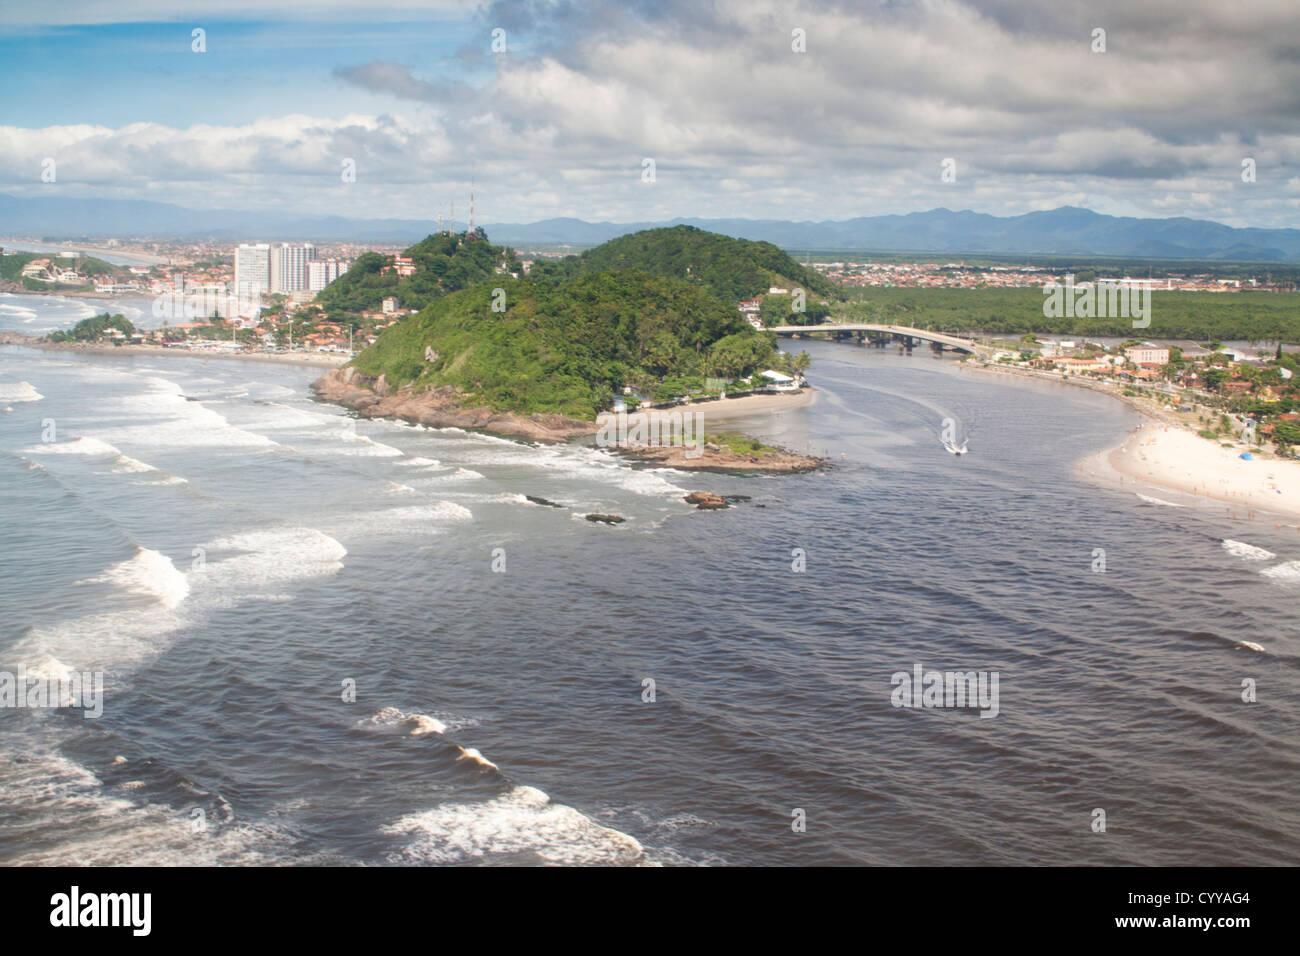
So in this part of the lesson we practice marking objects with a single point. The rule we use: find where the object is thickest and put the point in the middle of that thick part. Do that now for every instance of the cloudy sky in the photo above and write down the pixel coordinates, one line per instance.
(739, 123)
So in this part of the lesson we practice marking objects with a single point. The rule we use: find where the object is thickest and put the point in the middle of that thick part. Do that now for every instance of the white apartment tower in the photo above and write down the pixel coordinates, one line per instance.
(321, 272)
(252, 276)
(289, 266)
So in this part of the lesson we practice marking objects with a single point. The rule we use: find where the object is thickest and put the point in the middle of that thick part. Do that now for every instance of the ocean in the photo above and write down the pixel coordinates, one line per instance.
(336, 641)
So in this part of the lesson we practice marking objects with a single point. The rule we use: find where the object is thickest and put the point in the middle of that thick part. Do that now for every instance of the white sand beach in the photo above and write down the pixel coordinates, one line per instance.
(751, 406)
(1174, 458)
(315, 359)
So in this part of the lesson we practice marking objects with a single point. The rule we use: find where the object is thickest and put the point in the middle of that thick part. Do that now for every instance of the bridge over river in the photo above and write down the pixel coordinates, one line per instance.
(883, 334)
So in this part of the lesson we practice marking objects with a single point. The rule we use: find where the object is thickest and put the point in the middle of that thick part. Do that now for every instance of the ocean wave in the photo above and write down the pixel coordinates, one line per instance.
(19, 392)
(522, 824)
(1287, 571)
(183, 424)
(123, 464)
(77, 446)
(411, 518)
(1248, 552)
(1157, 501)
(151, 573)
(413, 725)
(66, 816)
(268, 556)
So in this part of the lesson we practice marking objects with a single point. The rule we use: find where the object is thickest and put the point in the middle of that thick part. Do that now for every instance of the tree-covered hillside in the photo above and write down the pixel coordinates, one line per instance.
(731, 269)
(95, 328)
(567, 346)
(444, 262)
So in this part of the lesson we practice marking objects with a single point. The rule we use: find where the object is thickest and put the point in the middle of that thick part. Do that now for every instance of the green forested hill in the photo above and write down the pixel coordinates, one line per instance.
(444, 263)
(731, 269)
(568, 346)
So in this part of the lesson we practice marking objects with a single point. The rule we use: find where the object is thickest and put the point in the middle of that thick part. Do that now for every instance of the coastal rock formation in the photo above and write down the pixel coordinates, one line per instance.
(715, 459)
(706, 500)
(543, 501)
(606, 519)
(440, 408)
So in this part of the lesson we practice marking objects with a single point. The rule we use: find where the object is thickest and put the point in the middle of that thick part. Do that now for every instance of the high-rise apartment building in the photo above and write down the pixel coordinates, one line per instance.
(322, 272)
(289, 266)
(252, 276)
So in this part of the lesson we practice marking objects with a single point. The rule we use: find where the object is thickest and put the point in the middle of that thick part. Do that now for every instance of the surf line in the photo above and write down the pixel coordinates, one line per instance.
(84, 689)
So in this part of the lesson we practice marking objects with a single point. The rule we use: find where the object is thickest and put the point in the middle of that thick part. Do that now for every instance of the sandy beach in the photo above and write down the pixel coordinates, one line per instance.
(310, 359)
(1175, 459)
(1164, 455)
(750, 406)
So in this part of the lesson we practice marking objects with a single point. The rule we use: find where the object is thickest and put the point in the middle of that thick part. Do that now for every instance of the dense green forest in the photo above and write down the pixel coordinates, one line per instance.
(444, 263)
(94, 328)
(1252, 316)
(731, 269)
(568, 346)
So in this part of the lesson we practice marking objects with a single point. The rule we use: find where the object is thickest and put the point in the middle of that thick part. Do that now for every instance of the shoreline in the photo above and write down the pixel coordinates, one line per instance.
(309, 359)
(1164, 454)
(442, 408)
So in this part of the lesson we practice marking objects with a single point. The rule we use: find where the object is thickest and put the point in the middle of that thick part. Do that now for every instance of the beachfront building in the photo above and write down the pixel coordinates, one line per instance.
(779, 381)
(1147, 354)
(252, 276)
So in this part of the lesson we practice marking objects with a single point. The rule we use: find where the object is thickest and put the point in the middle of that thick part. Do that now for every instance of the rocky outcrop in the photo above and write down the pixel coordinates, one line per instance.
(543, 501)
(606, 519)
(706, 500)
(712, 458)
(440, 407)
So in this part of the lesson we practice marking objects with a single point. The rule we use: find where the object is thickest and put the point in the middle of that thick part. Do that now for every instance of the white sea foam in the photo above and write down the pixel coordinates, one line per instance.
(117, 642)
(1248, 552)
(77, 446)
(522, 823)
(410, 518)
(152, 573)
(268, 556)
(19, 392)
(1287, 571)
(1157, 501)
(179, 423)
(66, 817)
(413, 725)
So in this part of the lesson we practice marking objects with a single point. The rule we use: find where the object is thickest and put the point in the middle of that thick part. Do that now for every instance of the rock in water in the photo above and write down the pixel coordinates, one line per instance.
(606, 519)
(542, 501)
(706, 500)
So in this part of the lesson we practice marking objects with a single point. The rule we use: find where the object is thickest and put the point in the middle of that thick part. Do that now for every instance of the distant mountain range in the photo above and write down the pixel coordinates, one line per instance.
(1068, 230)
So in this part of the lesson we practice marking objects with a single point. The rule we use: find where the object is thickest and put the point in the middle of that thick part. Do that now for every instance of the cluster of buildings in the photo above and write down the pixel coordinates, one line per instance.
(1226, 369)
(286, 269)
(959, 275)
